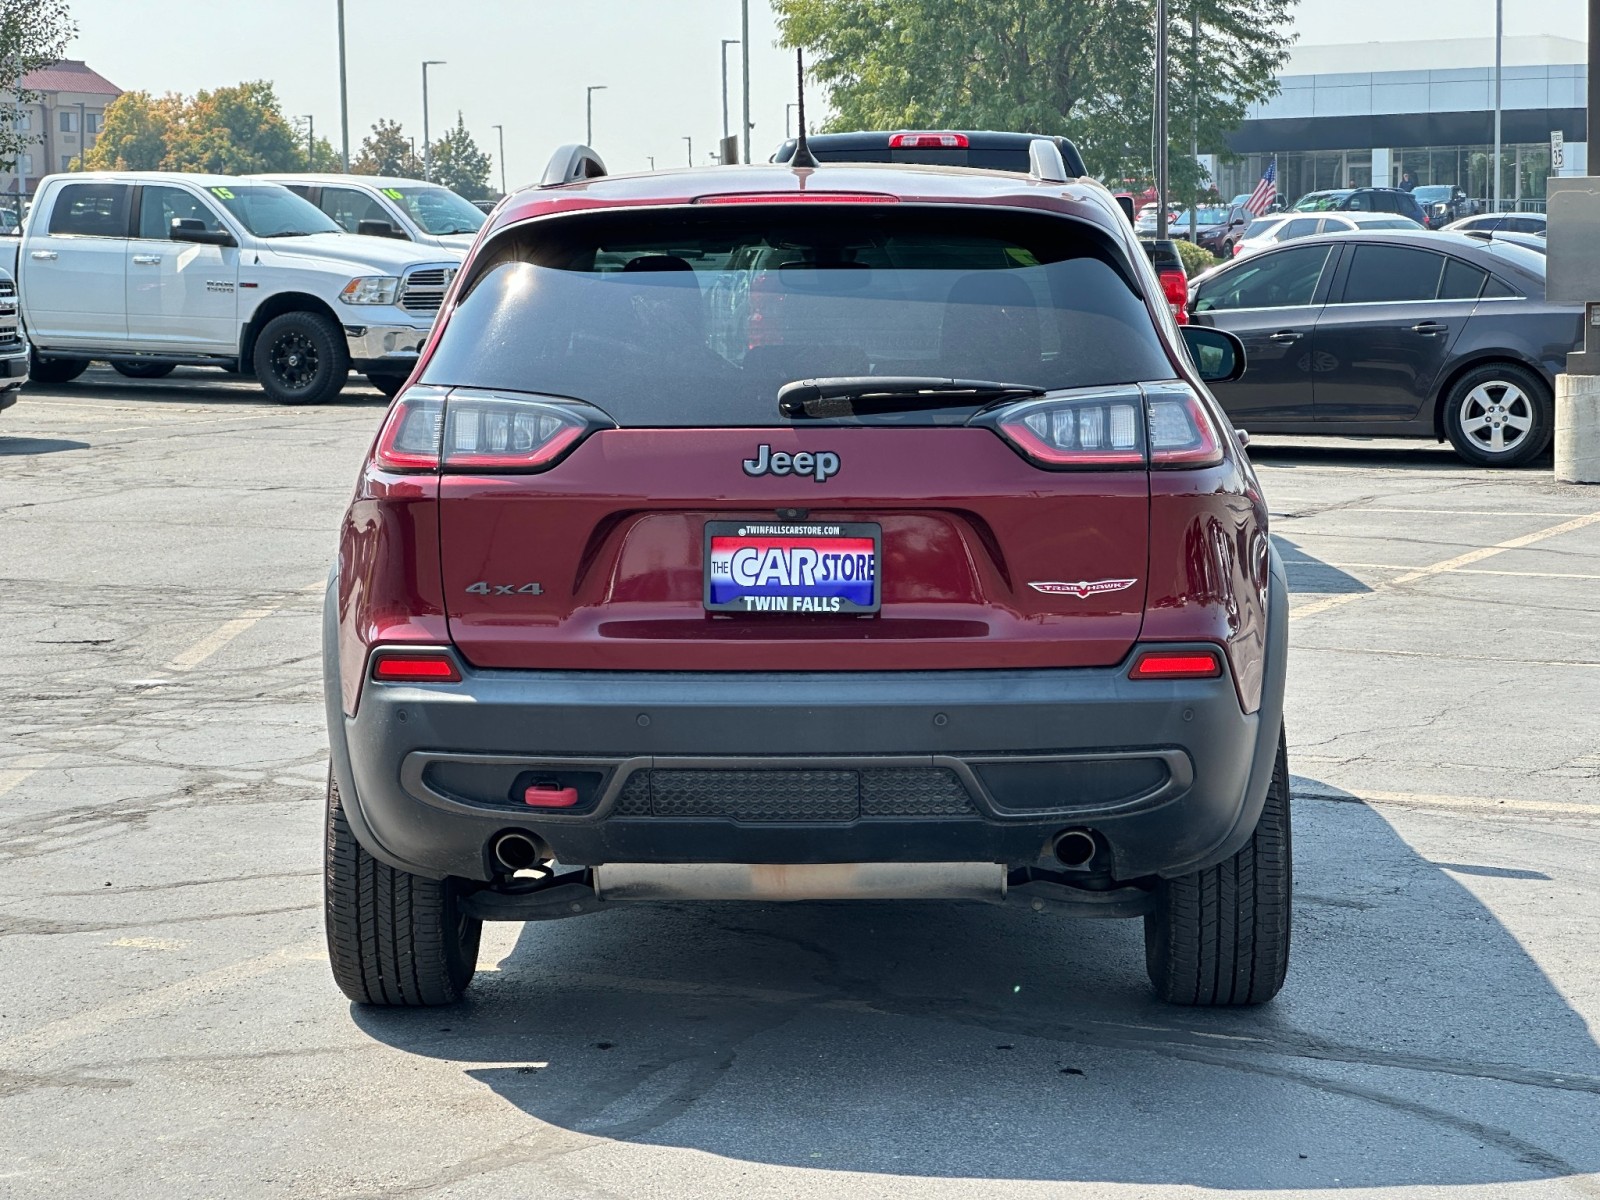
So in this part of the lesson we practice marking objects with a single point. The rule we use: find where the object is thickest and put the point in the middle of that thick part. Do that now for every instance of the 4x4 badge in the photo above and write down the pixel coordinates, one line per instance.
(1084, 588)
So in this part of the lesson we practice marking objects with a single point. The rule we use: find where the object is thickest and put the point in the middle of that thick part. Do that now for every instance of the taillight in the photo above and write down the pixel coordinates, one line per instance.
(1175, 284)
(799, 198)
(467, 429)
(1176, 664)
(1181, 432)
(928, 141)
(1103, 429)
(414, 666)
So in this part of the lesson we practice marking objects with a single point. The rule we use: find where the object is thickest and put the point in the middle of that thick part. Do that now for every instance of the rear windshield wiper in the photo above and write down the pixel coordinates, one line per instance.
(851, 395)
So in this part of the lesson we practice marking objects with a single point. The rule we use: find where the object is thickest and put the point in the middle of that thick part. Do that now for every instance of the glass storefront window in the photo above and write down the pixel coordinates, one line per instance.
(1523, 172)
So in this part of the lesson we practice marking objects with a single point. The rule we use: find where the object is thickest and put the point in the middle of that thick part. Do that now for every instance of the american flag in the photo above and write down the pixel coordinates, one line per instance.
(1265, 191)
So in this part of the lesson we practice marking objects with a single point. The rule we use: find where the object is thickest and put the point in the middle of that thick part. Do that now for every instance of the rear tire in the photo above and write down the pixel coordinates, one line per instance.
(1220, 936)
(389, 385)
(56, 370)
(301, 358)
(1503, 403)
(143, 370)
(393, 938)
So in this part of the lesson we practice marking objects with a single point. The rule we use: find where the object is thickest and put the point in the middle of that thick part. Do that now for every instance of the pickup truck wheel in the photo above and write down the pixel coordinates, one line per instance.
(393, 938)
(301, 358)
(389, 385)
(56, 370)
(1220, 936)
(143, 370)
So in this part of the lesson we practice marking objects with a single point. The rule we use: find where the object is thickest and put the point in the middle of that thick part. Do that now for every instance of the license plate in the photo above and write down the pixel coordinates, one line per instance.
(811, 567)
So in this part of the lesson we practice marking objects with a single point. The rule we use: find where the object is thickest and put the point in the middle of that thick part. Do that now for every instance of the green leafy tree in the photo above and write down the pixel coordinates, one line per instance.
(134, 136)
(235, 130)
(1082, 68)
(317, 152)
(33, 34)
(387, 151)
(460, 165)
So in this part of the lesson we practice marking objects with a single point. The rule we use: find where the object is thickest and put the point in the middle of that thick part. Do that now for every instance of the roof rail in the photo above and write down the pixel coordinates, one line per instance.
(572, 164)
(1044, 161)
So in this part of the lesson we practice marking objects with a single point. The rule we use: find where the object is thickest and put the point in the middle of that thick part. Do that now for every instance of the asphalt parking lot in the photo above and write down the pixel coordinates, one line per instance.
(168, 1027)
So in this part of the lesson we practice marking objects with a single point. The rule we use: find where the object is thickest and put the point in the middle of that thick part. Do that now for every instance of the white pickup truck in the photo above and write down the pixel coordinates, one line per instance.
(152, 270)
(377, 206)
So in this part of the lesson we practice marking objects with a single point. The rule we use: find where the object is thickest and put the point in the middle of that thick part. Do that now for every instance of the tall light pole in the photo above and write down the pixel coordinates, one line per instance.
(726, 42)
(744, 55)
(427, 140)
(652, 159)
(311, 142)
(689, 141)
(501, 130)
(1499, 46)
(588, 133)
(344, 99)
(1161, 120)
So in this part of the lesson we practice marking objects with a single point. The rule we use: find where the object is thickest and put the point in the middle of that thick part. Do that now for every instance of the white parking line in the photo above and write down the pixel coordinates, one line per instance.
(28, 765)
(1480, 804)
(1339, 566)
(227, 631)
(1445, 567)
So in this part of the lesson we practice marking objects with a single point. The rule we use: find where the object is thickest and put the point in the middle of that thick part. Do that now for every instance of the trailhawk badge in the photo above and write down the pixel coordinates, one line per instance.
(1084, 588)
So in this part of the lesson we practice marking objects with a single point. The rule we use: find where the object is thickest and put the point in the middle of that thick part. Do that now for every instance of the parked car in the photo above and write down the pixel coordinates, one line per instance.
(153, 270)
(1442, 204)
(409, 210)
(1272, 231)
(1371, 199)
(14, 349)
(1507, 222)
(1537, 242)
(1222, 235)
(1183, 225)
(1395, 334)
(947, 579)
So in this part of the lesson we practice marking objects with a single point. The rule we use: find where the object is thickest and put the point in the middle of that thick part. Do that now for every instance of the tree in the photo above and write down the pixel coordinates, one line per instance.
(460, 165)
(1082, 68)
(33, 34)
(134, 136)
(232, 131)
(387, 151)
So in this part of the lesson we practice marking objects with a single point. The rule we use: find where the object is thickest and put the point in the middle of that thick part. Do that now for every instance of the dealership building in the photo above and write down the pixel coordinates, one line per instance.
(1364, 114)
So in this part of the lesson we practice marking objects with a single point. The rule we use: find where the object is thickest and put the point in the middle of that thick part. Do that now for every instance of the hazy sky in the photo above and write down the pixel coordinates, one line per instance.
(525, 63)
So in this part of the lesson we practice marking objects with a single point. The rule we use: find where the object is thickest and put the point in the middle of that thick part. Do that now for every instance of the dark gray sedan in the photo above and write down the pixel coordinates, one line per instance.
(1395, 335)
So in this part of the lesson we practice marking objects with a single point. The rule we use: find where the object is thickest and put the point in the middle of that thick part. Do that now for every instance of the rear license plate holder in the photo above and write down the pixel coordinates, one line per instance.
(793, 568)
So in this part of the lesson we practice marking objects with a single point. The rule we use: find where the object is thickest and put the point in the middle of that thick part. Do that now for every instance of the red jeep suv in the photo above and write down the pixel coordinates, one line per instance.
(777, 533)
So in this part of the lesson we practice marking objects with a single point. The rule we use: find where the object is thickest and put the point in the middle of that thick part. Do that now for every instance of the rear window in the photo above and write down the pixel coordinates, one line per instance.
(699, 317)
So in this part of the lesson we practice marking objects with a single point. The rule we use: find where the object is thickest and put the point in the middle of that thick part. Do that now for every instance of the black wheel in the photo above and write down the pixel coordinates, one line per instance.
(56, 370)
(301, 358)
(143, 370)
(1500, 415)
(393, 938)
(1221, 936)
(389, 385)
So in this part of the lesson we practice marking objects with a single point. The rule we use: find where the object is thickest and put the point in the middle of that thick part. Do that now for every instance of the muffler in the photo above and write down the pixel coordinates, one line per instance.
(519, 851)
(801, 881)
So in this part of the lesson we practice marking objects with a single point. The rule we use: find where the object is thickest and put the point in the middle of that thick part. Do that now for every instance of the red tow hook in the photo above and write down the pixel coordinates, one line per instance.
(550, 795)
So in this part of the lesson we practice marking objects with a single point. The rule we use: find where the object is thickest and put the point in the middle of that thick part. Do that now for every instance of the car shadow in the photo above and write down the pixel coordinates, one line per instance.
(1417, 1043)
(1416, 455)
(1308, 574)
(18, 446)
(189, 385)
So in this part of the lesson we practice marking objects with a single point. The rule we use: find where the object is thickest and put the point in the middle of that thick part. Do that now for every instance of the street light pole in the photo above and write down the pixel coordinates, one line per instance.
(501, 130)
(588, 132)
(744, 55)
(427, 139)
(726, 42)
(344, 99)
(311, 142)
(689, 141)
(1499, 45)
(1161, 120)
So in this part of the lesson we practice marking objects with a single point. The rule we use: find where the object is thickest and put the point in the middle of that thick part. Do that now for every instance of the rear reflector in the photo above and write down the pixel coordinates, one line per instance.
(799, 198)
(1177, 664)
(464, 429)
(1175, 284)
(410, 667)
(928, 141)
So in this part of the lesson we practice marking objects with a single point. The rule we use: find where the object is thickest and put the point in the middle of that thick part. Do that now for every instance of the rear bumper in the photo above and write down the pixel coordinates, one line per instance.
(431, 774)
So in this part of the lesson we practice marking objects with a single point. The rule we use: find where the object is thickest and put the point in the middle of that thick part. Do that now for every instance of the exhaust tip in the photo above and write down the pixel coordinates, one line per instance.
(519, 851)
(1075, 848)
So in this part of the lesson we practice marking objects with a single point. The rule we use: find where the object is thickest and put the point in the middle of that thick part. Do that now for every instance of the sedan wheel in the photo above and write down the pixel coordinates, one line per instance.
(1498, 416)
